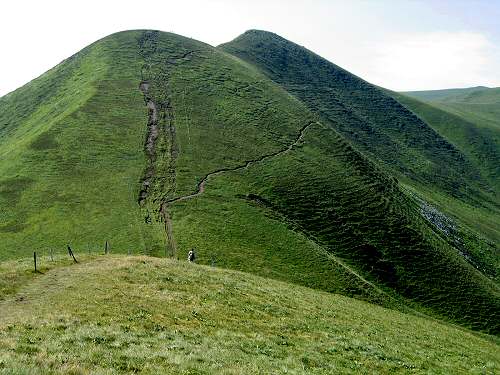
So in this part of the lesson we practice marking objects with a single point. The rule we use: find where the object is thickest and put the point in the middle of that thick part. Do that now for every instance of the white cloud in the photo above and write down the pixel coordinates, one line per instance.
(433, 60)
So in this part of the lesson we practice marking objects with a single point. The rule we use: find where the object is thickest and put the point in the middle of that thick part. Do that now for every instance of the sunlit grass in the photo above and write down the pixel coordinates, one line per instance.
(128, 314)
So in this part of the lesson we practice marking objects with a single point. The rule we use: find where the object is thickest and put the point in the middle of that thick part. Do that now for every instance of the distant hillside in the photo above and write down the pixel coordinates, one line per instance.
(480, 144)
(136, 314)
(479, 105)
(157, 144)
(450, 95)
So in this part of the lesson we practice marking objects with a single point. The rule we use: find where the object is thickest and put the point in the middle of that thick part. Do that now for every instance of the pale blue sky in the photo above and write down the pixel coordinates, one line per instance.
(398, 44)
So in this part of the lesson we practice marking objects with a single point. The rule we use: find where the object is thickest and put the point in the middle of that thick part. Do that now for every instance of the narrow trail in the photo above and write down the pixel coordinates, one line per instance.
(200, 188)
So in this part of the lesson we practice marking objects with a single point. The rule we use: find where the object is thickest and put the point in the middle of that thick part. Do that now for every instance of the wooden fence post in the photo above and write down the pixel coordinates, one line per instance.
(106, 248)
(71, 254)
(34, 259)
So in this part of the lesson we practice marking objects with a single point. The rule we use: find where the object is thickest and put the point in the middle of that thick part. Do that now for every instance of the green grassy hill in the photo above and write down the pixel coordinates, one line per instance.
(159, 143)
(376, 123)
(431, 166)
(71, 153)
(191, 319)
(461, 184)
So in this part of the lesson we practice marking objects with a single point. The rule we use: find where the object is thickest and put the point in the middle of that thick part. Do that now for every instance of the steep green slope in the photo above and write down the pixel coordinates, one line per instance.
(433, 166)
(374, 121)
(222, 158)
(138, 314)
(71, 153)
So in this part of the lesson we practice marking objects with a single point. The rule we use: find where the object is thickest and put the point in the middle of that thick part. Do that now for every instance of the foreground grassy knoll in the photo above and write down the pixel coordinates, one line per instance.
(118, 314)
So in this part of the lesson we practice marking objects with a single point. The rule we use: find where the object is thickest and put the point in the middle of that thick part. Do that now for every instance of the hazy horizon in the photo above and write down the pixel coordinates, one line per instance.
(399, 45)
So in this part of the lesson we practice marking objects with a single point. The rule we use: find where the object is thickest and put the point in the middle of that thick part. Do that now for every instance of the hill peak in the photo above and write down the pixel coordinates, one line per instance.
(255, 35)
(257, 32)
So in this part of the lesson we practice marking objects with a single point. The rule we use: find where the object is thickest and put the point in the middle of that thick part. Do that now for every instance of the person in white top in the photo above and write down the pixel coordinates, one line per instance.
(191, 255)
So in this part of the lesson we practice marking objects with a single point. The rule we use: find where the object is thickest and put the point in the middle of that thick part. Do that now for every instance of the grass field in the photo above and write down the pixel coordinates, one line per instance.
(192, 319)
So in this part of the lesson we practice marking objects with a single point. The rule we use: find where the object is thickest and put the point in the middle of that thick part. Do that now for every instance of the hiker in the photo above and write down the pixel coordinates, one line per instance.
(191, 255)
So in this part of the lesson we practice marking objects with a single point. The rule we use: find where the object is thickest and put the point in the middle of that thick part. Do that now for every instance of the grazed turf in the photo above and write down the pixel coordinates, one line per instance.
(136, 314)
